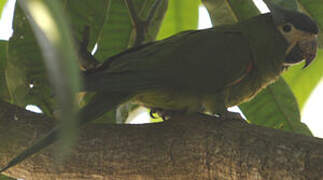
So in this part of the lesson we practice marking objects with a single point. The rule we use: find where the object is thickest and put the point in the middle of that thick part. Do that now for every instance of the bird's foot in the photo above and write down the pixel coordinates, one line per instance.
(164, 114)
(232, 116)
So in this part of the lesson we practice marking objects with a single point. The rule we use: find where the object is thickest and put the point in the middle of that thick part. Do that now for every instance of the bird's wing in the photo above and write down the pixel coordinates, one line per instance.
(189, 60)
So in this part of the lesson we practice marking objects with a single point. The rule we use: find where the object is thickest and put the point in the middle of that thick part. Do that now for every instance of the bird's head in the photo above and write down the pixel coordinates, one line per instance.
(299, 30)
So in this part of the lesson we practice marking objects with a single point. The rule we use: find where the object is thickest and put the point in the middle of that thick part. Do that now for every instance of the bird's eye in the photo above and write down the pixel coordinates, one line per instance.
(287, 28)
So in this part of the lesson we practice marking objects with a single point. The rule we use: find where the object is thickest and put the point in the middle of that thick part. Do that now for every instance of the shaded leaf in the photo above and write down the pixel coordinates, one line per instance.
(276, 107)
(229, 12)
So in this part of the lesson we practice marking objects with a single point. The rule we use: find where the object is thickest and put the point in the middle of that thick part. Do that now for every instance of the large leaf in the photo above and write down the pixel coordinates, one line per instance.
(117, 32)
(275, 107)
(181, 15)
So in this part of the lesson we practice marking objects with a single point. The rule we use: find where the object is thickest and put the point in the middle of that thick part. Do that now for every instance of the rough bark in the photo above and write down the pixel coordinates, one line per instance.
(190, 147)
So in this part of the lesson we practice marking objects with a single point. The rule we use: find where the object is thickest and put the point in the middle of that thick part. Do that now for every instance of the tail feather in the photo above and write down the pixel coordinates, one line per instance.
(98, 105)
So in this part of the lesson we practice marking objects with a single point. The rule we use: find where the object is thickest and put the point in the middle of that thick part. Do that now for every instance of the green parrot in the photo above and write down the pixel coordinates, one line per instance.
(199, 70)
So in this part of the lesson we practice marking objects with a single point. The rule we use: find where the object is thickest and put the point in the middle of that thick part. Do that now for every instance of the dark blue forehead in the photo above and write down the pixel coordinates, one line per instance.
(303, 22)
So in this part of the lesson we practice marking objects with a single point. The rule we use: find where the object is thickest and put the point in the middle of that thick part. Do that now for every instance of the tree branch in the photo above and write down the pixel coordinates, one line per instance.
(190, 147)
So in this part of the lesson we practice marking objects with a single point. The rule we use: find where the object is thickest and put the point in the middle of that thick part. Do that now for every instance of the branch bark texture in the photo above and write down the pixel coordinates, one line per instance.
(186, 147)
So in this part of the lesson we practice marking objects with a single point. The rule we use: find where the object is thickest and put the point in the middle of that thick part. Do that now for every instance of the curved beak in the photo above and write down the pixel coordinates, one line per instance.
(309, 49)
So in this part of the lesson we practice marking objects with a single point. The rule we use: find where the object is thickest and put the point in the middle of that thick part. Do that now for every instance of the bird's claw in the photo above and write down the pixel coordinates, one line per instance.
(232, 116)
(164, 114)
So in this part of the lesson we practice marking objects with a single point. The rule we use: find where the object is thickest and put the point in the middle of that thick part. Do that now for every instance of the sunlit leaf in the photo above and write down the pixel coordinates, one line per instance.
(181, 15)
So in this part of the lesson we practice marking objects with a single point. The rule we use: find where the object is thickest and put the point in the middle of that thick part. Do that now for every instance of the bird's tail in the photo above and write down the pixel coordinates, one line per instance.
(100, 103)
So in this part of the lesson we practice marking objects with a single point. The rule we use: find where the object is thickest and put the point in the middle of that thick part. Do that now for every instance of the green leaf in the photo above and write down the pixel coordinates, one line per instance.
(303, 81)
(275, 107)
(118, 32)
(315, 10)
(229, 12)
(181, 15)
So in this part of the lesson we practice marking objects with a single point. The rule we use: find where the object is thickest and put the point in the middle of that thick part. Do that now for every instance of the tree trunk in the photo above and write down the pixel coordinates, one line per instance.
(186, 147)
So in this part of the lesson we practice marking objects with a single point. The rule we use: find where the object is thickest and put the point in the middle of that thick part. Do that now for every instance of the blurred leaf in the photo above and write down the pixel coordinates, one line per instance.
(275, 107)
(181, 15)
(4, 93)
(229, 12)
(2, 177)
(60, 59)
(315, 10)
(25, 66)
(303, 81)
(2, 4)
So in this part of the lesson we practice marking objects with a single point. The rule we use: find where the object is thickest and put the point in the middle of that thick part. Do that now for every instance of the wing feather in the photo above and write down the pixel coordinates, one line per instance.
(190, 60)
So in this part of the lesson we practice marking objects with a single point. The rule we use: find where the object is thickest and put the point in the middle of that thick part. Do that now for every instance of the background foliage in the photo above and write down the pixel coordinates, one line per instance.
(113, 29)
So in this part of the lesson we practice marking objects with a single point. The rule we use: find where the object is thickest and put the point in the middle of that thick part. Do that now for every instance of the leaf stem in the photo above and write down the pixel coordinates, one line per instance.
(140, 25)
